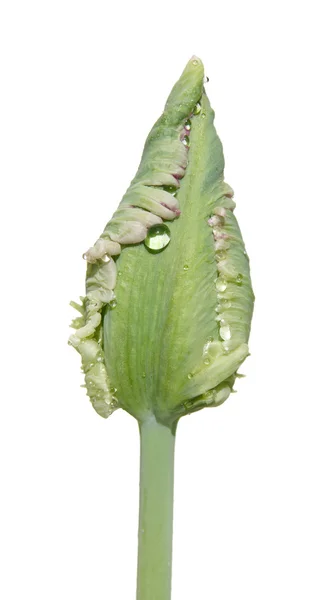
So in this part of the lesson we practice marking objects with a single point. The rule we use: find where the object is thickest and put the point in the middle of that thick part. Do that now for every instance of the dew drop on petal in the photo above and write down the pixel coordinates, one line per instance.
(171, 189)
(220, 255)
(197, 109)
(239, 278)
(187, 125)
(207, 361)
(105, 258)
(225, 332)
(186, 141)
(186, 267)
(158, 237)
(221, 284)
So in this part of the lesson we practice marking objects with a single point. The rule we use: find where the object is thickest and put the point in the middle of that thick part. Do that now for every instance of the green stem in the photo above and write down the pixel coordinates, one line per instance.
(155, 511)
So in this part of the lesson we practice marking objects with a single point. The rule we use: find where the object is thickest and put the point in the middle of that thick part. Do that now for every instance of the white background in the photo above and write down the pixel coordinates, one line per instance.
(82, 83)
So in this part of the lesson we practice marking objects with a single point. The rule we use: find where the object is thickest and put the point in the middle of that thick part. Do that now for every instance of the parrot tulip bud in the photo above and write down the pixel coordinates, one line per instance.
(166, 317)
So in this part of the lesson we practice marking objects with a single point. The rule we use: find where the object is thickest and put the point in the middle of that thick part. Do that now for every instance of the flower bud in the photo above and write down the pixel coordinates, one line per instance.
(166, 317)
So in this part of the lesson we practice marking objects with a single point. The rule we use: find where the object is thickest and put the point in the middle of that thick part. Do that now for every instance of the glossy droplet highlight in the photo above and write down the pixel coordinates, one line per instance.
(171, 189)
(187, 125)
(203, 115)
(221, 284)
(113, 303)
(186, 141)
(225, 333)
(207, 361)
(105, 258)
(185, 267)
(189, 375)
(239, 278)
(158, 237)
(197, 109)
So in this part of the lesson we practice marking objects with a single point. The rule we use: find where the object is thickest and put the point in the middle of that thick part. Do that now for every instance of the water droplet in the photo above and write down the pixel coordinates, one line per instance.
(220, 255)
(195, 62)
(225, 332)
(207, 361)
(197, 109)
(113, 390)
(206, 79)
(221, 284)
(186, 141)
(105, 258)
(114, 402)
(239, 278)
(158, 237)
(99, 359)
(187, 125)
(203, 115)
(171, 189)
(189, 375)
(85, 256)
(113, 303)
(186, 267)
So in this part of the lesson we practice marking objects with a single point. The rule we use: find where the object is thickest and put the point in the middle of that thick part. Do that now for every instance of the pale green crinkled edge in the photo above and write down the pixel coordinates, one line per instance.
(149, 200)
(234, 307)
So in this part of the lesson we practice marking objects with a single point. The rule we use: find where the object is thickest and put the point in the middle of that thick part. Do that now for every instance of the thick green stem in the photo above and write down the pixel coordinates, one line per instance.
(156, 511)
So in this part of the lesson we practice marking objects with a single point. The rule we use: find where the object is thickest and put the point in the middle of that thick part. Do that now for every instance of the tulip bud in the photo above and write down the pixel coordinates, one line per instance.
(165, 320)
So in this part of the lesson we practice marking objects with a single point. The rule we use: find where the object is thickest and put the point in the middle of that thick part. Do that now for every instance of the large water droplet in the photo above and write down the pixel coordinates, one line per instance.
(187, 125)
(158, 237)
(221, 284)
(171, 189)
(225, 332)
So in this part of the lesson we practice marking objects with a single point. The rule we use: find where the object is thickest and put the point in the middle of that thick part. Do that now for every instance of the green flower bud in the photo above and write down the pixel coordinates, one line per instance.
(166, 317)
